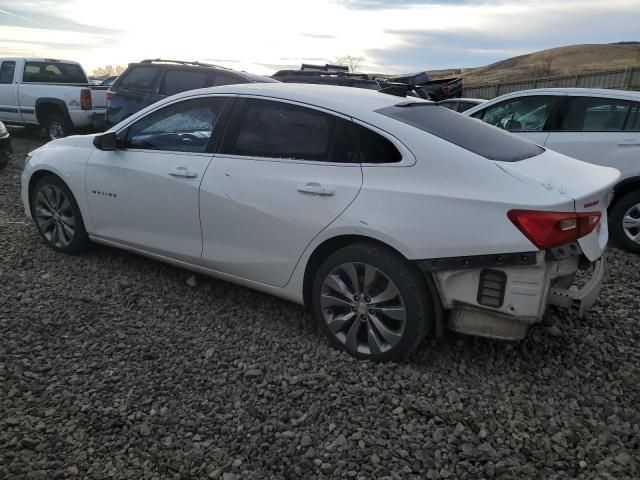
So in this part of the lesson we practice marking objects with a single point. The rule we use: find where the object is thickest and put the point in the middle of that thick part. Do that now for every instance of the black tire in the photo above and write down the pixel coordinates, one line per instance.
(410, 285)
(56, 126)
(619, 210)
(4, 159)
(79, 241)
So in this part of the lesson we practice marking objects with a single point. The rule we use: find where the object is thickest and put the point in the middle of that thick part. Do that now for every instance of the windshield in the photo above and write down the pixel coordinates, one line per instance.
(468, 133)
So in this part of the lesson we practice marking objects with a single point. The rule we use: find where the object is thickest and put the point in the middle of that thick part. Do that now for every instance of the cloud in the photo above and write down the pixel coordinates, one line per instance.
(30, 14)
(322, 36)
(394, 4)
(504, 35)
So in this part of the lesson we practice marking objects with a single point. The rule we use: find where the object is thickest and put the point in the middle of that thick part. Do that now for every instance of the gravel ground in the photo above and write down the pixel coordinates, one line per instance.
(115, 366)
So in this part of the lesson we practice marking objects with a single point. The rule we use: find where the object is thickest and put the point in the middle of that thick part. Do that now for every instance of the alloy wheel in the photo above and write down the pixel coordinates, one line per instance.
(54, 216)
(56, 130)
(363, 308)
(631, 223)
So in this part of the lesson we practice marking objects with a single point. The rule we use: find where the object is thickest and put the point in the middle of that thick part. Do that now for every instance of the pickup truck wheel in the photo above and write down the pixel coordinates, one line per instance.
(55, 126)
(624, 222)
(57, 216)
(372, 303)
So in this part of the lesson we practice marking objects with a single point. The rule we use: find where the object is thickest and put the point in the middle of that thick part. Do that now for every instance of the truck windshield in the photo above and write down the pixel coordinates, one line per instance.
(53, 72)
(466, 132)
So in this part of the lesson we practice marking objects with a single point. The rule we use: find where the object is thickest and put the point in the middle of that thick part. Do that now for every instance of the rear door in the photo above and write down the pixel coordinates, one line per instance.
(599, 130)
(283, 173)
(529, 116)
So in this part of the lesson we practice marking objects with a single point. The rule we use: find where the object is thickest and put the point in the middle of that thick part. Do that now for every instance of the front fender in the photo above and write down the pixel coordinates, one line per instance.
(67, 163)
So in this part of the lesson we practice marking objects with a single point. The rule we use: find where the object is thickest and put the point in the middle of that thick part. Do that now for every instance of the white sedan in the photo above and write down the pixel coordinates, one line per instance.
(388, 217)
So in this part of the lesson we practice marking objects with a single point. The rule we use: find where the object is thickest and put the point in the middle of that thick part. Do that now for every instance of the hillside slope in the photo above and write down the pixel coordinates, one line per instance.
(555, 61)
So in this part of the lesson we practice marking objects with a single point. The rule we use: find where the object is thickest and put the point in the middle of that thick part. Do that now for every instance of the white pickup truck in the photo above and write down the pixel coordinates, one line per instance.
(52, 94)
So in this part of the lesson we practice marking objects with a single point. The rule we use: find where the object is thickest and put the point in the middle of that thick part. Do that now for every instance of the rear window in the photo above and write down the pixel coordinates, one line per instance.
(138, 78)
(53, 72)
(465, 132)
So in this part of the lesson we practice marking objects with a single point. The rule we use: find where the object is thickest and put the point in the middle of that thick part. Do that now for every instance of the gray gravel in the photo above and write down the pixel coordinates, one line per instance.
(115, 366)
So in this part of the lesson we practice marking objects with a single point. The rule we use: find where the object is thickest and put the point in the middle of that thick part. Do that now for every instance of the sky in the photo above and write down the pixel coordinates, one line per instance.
(262, 36)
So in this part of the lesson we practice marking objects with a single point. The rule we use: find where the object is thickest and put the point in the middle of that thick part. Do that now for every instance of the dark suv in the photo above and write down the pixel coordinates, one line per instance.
(144, 83)
(417, 84)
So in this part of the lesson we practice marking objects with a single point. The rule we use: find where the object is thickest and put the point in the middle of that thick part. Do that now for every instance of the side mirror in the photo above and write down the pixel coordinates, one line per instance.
(106, 141)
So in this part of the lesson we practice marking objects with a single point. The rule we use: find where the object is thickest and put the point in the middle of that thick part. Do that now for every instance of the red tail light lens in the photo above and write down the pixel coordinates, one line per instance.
(552, 229)
(85, 99)
(110, 94)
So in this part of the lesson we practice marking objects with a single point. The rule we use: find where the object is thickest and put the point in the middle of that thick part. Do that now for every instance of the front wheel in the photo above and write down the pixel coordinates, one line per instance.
(371, 302)
(624, 222)
(57, 216)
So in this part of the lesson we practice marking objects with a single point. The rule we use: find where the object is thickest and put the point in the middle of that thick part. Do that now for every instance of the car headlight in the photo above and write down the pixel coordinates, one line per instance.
(27, 159)
(3, 130)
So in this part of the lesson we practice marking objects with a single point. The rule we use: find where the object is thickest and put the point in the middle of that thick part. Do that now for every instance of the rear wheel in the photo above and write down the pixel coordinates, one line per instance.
(370, 302)
(624, 222)
(56, 126)
(57, 216)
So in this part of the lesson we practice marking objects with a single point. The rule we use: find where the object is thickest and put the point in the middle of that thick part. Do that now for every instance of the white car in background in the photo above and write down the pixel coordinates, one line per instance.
(379, 213)
(597, 126)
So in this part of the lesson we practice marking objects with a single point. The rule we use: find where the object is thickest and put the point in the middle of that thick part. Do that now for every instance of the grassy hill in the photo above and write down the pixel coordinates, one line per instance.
(568, 60)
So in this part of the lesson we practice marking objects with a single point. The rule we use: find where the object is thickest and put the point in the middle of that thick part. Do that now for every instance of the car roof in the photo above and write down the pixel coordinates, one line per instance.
(39, 59)
(463, 99)
(605, 92)
(345, 100)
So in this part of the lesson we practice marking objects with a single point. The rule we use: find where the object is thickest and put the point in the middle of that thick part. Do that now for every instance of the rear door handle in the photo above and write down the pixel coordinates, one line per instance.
(183, 172)
(316, 189)
(629, 143)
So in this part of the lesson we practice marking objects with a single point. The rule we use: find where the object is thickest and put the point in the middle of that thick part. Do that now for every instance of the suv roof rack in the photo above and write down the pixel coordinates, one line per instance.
(325, 68)
(182, 62)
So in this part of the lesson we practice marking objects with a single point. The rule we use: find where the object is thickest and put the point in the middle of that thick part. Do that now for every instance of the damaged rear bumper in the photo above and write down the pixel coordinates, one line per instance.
(502, 300)
(579, 300)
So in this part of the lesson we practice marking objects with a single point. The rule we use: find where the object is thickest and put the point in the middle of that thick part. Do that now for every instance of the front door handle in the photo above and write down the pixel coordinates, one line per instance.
(629, 143)
(183, 172)
(316, 189)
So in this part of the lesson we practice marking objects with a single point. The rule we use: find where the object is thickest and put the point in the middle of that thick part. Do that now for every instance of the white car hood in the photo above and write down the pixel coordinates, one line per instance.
(589, 186)
(72, 141)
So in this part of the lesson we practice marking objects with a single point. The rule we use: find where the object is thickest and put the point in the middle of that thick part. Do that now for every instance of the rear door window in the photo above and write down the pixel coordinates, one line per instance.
(272, 129)
(139, 78)
(53, 72)
(463, 131)
(594, 114)
(222, 78)
(521, 114)
(6, 72)
(176, 81)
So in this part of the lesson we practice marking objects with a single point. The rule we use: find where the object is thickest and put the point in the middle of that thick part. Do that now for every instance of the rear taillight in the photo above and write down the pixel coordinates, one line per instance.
(85, 99)
(552, 229)
(110, 94)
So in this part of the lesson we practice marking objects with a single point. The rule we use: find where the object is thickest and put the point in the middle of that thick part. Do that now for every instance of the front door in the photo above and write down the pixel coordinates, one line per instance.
(145, 194)
(284, 173)
(528, 116)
